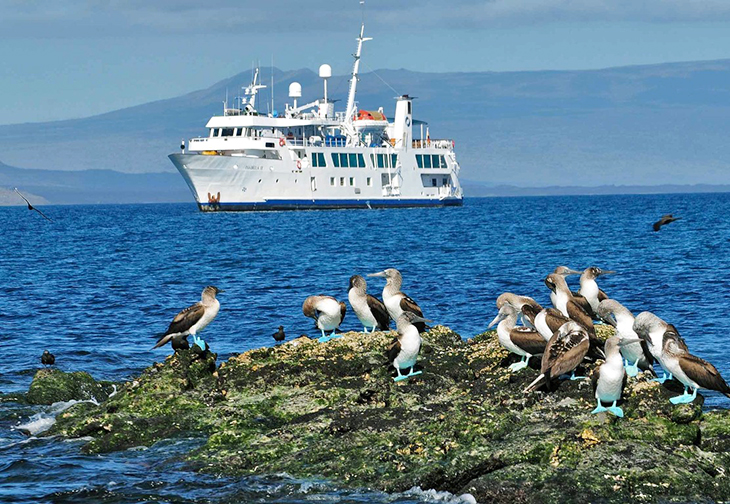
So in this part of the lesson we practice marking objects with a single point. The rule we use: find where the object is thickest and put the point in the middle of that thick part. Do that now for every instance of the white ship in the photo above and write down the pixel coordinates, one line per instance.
(313, 157)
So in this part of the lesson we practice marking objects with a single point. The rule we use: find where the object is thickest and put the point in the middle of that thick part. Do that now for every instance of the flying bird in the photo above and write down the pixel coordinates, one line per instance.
(192, 320)
(31, 207)
(666, 219)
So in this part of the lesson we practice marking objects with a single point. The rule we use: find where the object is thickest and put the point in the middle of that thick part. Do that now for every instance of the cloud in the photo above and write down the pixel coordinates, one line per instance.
(95, 18)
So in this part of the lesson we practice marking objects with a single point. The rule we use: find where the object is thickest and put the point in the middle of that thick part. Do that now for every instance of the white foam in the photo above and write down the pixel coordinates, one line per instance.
(41, 422)
(436, 496)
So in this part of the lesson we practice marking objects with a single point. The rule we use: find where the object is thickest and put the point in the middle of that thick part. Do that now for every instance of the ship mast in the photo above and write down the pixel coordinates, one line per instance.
(350, 112)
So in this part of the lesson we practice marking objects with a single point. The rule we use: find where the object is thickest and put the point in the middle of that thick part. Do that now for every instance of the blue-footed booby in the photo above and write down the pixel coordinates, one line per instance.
(403, 352)
(575, 308)
(690, 370)
(523, 341)
(563, 354)
(564, 272)
(327, 313)
(589, 288)
(635, 353)
(48, 359)
(279, 335)
(666, 219)
(397, 302)
(651, 329)
(546, 321)
(370, 311)
(192, 320)
(609, 379)
(518, 302)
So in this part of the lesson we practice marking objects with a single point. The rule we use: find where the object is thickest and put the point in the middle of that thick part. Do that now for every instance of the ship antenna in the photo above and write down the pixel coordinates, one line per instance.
(353, 81)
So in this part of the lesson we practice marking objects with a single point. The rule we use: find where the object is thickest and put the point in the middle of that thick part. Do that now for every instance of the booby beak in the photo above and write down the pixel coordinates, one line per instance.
(610, 320)
(416, 318)
(606, 272)
(497, 319)
(378, 274)
(573, 272)
(628, 341)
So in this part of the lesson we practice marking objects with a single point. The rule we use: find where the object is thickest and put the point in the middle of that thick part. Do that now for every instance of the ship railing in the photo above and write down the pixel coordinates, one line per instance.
(433, 144)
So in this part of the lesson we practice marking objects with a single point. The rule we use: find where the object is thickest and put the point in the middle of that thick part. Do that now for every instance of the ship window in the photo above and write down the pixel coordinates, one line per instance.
(409, 108)
(352, 181)
(370, 181)
(343, 161)
(445, 182)
(372, 159)
(393, 160)
(419, 160)
(342, 181)
(318, 160)
(322, 162)
(434, 182)
(353, 160)
(427, 161)
(332, 181)
(360, 161)
(381, 161)
(336, 159)
(226, 132)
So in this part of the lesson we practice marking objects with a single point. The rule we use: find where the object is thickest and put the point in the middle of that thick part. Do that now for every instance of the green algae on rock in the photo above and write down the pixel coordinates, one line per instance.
(52, 385)
(465, 426)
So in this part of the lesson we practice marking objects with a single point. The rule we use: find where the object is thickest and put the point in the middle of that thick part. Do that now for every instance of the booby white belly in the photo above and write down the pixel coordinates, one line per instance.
(503, 330)
(208, 315)
(410, 344)
(329, 314)
(608, 388)
(392, 304)
(362, 309)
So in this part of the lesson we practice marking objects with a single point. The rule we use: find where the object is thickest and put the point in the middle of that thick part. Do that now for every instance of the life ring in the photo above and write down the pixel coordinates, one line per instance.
(299, 164)
(282, 142)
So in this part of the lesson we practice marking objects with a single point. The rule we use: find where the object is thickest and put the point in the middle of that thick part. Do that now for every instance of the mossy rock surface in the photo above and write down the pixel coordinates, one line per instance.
(51, 385)
(332, 410)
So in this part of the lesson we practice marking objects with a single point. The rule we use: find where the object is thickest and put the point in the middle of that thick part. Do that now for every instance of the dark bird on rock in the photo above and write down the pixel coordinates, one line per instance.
(192, 320)
(31, 207)
(563, 354)
(666, 219)
(48, 359)
(279, 335)
(370, 311)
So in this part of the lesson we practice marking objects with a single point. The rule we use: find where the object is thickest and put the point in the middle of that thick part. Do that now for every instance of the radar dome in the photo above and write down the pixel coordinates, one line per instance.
(325, 71)
(295, 90)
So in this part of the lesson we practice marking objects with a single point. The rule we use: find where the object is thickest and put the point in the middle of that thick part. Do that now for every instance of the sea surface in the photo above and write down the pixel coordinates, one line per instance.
(95, 285)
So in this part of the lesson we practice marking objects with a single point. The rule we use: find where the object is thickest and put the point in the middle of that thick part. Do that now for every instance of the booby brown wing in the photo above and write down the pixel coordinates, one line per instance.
(528, 340)
(379, 311)
(31, 207)
(529, 312)
(581, 301)
(393, 350)
(408, 304)
(703, 373)
(554, 319)
(580, 315)
(564, 355)
(602, 296)
(595, 376)
(343, 310)
(182, 322)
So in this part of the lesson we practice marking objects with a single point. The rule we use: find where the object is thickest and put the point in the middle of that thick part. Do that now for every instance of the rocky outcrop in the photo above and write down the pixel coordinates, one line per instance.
(332, 410)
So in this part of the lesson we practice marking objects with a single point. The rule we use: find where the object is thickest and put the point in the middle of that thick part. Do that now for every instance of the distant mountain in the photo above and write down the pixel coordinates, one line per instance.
(631, 126)
(90, 187)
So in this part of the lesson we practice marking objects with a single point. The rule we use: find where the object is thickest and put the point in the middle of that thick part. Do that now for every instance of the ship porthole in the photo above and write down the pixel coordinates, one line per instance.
(259, 181)
(277, 181)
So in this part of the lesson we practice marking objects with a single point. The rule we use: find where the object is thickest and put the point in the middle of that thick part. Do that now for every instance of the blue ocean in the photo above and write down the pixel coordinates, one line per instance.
(95, 285)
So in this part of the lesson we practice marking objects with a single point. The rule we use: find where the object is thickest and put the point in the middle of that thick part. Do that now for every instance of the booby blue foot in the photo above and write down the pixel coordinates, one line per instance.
(684, 398)
(631, 369)
(519, 365)
(334, 335)
(616, 411)
(323, 339)
(599, 408)
(401, 377)
(664, 378)
(365, 329)
(576, 378)
(199, 342)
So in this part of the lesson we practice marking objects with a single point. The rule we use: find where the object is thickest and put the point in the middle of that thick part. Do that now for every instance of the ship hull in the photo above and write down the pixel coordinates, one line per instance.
(237, 184)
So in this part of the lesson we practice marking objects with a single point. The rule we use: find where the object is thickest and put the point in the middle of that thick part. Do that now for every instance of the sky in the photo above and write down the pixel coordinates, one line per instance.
(64, 59)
